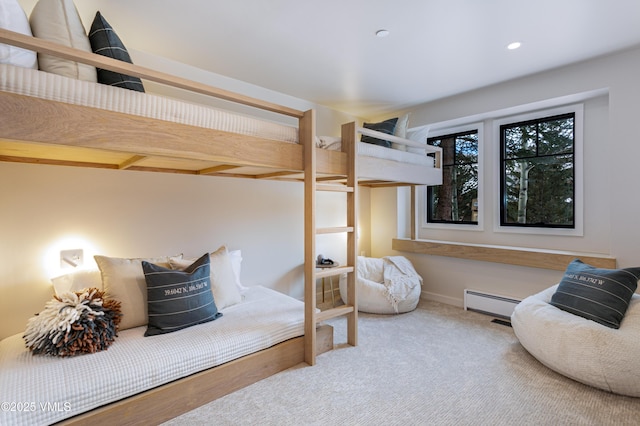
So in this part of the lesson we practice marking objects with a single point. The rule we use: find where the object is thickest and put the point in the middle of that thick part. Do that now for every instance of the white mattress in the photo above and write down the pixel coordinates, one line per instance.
(44, 85)
(36, 390)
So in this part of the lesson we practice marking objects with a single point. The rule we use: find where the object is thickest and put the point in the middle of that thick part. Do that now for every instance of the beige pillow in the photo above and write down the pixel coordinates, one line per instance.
(59, 21)
(223, 278)
(123, 280)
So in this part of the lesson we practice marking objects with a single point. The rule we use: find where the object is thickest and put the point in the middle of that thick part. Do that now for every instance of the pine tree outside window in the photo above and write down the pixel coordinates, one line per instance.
(456, 200)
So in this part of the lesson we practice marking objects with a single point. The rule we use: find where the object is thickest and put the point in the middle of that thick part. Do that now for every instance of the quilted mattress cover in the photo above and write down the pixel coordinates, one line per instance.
(38, 390)
(44, 85)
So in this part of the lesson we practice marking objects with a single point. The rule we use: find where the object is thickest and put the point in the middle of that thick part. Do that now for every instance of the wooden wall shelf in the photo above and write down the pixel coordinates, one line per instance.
(535, 258)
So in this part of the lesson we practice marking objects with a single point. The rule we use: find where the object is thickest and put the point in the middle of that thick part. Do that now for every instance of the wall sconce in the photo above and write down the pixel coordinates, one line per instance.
(71, 258)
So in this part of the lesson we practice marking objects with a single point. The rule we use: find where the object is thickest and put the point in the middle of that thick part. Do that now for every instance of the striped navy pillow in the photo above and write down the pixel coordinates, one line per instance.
(104, 41)
(601, 295)
(178, 299)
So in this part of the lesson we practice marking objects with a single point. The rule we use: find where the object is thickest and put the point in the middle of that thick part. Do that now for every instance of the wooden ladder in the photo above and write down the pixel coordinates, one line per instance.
(311, 273)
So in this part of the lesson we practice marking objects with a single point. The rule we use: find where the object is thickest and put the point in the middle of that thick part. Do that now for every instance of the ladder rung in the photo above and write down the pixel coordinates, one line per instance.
(334, 230)
(334, 312)
(335, 188)
(332, 272)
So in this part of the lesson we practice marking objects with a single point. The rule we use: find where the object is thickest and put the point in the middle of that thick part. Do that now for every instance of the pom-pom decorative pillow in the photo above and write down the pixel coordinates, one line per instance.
(74, 323)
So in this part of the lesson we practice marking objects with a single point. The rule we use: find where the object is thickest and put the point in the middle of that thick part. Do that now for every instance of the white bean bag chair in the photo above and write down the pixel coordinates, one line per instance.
(388, 285)
(588, 352)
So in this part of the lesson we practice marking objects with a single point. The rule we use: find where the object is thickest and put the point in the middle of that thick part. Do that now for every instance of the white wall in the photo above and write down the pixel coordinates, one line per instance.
(611, 150)
(132, 214)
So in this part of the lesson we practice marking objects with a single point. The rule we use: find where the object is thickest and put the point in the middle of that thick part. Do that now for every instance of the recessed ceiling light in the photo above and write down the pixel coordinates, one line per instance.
(514, 45)
(382, 33)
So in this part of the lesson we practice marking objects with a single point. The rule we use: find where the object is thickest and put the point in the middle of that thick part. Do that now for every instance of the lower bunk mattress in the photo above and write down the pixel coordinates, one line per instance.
(38, 390)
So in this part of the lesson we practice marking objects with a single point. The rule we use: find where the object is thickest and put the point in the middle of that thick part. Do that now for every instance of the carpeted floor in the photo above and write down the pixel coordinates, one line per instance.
(438, 365)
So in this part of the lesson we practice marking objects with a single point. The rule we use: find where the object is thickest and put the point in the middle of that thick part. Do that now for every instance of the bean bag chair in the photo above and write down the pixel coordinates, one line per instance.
(388, 285)
(579, 348)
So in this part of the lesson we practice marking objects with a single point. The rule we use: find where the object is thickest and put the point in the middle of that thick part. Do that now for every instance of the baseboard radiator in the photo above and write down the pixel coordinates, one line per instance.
(490, 304)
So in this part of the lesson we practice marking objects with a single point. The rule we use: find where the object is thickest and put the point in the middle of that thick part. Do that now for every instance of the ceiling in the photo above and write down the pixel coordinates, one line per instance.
(326, 51)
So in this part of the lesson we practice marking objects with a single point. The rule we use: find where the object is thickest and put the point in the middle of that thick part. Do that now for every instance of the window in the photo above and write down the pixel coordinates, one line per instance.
(537, 179)
(456, 200)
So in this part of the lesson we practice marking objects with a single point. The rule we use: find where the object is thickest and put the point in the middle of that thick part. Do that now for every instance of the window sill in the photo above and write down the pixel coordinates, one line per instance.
(534, 258)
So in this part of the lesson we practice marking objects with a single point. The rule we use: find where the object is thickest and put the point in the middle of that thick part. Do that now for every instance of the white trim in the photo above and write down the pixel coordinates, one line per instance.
(578, 231)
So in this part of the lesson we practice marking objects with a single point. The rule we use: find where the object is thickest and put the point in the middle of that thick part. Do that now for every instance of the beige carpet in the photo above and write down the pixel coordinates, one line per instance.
(438, 365)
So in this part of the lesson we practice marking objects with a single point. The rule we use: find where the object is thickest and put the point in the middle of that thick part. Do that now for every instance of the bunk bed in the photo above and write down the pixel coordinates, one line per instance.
(49, 126)
(42, 123)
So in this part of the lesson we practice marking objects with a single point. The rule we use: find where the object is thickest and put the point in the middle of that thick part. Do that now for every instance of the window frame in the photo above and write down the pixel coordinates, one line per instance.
(577, 230)
(424, 222)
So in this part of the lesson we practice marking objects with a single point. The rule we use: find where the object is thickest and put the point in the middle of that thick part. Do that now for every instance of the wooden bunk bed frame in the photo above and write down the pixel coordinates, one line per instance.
(41, 131)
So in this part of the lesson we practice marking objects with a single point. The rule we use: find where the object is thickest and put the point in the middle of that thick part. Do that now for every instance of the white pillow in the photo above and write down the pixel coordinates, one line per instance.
(236, 263)
(401, 132)
(13, 18)
(123, 280)
(59, 21)
(223, 278)
(77, 280)
(418, 134)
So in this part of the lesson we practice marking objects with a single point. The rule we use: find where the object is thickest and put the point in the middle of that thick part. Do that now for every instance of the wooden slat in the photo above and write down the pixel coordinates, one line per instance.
(330, 178)
(334, 230)
(335, 312)
(383, 184)
(60, 51)
(334, 188)
(217, 169)
(332, 272)
(276, 175)
(31, 160)
(131, 161)
(545, 259)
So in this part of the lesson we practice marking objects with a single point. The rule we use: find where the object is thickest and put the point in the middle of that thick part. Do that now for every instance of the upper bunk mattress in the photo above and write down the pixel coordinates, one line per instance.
(44, 85)
(44, 389)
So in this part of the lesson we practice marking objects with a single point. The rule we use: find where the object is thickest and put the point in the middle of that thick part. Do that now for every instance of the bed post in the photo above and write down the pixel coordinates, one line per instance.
(350, 146)
(307, 132)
